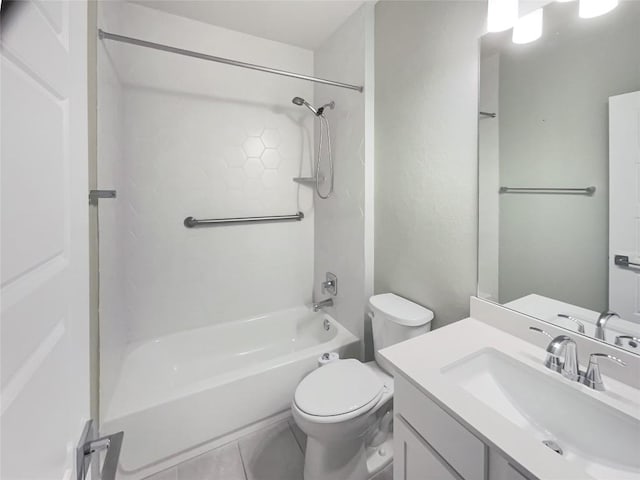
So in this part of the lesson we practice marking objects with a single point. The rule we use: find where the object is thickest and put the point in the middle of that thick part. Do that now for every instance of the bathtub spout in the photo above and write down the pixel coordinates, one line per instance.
(324, 303)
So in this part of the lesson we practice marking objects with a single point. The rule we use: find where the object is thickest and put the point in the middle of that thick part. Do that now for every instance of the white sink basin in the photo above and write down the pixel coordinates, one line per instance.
(600, 439)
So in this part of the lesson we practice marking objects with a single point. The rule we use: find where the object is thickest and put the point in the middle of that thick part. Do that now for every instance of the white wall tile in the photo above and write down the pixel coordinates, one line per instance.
(339, 234)
(181, 137)
(112, 321)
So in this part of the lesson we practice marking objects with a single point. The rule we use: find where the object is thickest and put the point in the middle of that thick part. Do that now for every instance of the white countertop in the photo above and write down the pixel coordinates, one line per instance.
(421, 360)
(547, 309)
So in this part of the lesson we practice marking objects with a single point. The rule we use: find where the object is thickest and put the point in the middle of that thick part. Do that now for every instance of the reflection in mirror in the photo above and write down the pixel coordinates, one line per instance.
(559, 172)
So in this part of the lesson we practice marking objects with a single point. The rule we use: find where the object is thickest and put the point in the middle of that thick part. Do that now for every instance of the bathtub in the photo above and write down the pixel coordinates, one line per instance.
(185, 390)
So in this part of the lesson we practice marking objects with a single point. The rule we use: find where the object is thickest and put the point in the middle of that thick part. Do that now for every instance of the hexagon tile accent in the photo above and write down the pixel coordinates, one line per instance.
(253, 147)
(271, 138)
(253, 168)
(234, 156)
(271, 158)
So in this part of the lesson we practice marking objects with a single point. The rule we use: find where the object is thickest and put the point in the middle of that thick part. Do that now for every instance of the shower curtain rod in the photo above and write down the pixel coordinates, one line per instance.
(203, 56)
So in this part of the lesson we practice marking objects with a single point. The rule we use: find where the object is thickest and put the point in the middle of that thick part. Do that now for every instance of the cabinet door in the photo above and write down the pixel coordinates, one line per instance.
(500, 469)
(415, 459)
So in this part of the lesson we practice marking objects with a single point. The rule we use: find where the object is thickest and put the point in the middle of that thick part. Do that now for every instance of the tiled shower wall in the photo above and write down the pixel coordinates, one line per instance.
(204, 140)
(343, 220)
(112, 321)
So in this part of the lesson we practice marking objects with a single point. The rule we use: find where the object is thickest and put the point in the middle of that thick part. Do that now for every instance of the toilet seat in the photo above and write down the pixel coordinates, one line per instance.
(340, 390)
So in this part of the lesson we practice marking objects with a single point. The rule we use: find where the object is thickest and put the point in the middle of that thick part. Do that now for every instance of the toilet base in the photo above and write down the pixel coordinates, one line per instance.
(348, 460)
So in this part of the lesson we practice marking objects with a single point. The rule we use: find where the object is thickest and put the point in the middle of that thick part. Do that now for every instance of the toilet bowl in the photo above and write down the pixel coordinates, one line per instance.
(336, 409)
(345, 407)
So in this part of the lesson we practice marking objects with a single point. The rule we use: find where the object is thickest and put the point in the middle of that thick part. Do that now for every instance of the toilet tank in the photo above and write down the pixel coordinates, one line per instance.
(395, 319)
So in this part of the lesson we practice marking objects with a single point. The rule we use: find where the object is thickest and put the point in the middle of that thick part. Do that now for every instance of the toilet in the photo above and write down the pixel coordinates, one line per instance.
(345, 407)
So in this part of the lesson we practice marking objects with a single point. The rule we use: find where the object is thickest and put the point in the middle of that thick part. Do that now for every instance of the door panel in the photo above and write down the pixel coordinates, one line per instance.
(44, 339)
(624, 203)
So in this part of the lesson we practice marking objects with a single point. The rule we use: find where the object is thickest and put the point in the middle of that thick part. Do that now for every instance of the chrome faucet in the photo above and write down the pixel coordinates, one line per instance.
(330, 285)
(592, 377)
(632, 341)
(601, 323)
(562, 355)
(566, 350)
(324, 303)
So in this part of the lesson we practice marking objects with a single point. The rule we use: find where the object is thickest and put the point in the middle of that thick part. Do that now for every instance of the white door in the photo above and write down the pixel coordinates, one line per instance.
(624, 204)
(44, 324)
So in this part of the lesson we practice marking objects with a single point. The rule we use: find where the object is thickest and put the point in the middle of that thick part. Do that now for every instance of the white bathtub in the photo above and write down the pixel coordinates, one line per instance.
(185, 390)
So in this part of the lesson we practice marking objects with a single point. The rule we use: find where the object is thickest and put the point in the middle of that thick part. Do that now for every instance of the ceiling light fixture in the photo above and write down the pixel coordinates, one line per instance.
(528, 28)
(501, 15)
(595, 8)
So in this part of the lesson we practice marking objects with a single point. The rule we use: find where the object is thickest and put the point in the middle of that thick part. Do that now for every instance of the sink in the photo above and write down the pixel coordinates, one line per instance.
(600, 439)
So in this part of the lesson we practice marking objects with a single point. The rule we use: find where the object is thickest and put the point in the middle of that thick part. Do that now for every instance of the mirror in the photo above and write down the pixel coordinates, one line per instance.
(559, 172)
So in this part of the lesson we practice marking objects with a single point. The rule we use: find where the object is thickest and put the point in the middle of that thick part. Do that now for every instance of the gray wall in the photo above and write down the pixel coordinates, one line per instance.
(554, 132)
(426, 64)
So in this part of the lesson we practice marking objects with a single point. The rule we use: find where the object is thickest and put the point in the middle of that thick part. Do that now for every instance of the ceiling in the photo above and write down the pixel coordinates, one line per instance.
(304, 23)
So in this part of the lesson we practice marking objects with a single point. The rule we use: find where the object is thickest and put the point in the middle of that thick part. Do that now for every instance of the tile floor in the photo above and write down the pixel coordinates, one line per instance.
(274, 453)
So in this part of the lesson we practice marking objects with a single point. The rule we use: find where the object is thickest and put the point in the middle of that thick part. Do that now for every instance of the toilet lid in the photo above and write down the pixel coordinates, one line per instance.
(337, 388)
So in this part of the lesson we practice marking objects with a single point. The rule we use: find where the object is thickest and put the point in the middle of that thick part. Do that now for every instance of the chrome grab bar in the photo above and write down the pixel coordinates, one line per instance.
(191, 222)
(89, 445)
(580, 191)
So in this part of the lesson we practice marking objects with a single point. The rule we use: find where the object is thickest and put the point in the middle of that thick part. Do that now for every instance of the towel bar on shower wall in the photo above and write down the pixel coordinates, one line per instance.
(191, 222)
(580, 191)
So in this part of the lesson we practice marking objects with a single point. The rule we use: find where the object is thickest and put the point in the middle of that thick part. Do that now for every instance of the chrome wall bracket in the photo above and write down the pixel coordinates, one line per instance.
(94, 195)
(623, 261)
(308, 180)
(89, 444)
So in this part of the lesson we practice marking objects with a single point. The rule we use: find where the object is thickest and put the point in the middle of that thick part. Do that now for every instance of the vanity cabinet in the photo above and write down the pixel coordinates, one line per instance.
(429, 444)
(414, 458)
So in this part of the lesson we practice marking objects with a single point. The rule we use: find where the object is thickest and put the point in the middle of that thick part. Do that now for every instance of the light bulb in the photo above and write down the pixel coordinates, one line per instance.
(528, 28)
(501, 15)
(595, 8)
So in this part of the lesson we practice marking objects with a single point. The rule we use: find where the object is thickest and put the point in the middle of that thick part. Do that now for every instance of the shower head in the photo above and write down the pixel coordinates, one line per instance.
(301, 101)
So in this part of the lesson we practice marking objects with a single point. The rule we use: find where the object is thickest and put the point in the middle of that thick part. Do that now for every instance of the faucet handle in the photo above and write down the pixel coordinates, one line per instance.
(632, 341)
(578, 323)
(553, 360)
(330, 284)
(592, 377)
(539, 330)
